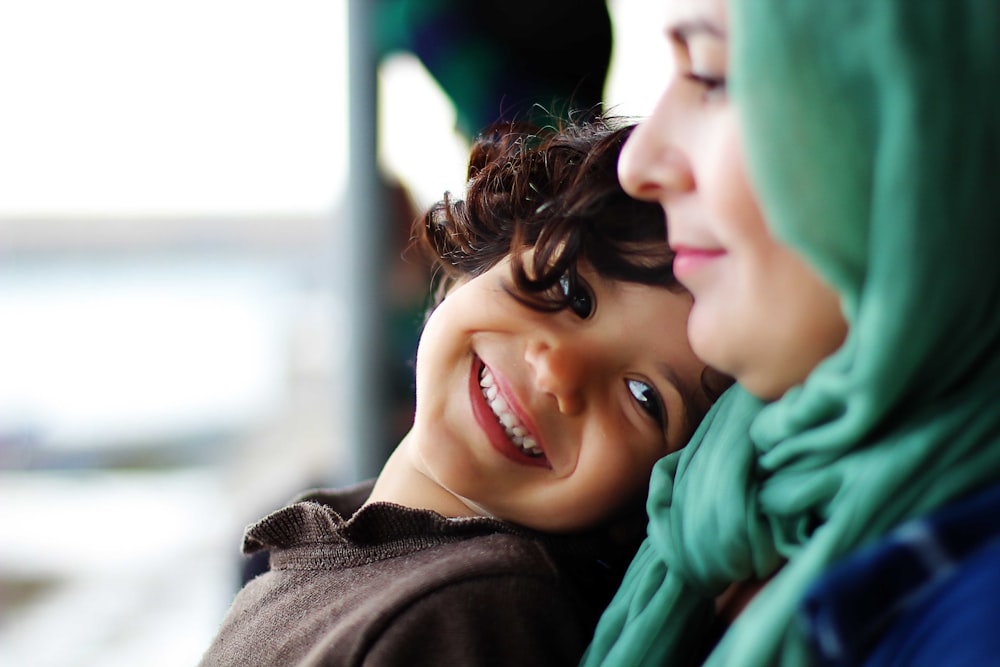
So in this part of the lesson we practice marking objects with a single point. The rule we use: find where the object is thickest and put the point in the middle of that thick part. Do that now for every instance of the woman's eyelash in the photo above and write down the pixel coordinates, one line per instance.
(711, 84)
(649, 400)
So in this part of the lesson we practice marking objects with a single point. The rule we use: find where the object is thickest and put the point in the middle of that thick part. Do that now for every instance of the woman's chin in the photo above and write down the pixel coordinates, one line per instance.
(709, 339)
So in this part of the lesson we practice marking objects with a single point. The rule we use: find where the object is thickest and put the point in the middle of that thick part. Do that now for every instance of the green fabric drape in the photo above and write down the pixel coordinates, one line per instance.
(873, 138)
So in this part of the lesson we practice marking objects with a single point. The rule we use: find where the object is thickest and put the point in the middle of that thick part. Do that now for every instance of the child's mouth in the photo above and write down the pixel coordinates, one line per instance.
(512, 426)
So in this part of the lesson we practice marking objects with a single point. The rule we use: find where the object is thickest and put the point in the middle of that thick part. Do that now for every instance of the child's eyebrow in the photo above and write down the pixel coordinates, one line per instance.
(686, 389)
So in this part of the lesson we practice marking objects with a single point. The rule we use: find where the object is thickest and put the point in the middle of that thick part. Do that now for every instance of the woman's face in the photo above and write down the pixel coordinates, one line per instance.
(760, 313)
(553, 419)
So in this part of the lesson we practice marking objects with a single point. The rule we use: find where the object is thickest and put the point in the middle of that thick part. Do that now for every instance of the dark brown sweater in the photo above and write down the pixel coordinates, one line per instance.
(398, 586)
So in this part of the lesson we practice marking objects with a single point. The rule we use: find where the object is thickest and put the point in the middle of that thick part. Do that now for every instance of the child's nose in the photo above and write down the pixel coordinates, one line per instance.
(561, 371)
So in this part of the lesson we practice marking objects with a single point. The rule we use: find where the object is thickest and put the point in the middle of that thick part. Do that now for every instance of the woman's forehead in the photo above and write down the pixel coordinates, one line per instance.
(686, 19)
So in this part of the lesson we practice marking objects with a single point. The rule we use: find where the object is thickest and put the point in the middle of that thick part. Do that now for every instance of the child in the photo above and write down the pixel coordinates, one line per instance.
(552, 375)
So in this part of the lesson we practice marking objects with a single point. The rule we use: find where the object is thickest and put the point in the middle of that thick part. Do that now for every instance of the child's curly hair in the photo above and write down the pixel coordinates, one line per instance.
(556, 191)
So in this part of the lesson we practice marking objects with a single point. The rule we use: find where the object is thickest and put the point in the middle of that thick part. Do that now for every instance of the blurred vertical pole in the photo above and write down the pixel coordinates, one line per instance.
(366, 399)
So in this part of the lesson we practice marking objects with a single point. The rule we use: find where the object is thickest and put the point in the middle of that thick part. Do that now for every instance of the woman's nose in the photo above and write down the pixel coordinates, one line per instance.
(652, 166)
(560, 370)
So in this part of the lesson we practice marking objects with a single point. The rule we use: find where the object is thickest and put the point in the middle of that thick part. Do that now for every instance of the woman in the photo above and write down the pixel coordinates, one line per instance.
(859, 520)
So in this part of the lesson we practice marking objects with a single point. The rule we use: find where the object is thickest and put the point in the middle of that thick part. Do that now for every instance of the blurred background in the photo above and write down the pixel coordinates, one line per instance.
(205, 306)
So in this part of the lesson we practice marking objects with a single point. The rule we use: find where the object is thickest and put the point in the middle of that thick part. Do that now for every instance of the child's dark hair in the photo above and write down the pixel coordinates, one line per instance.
(554, 190)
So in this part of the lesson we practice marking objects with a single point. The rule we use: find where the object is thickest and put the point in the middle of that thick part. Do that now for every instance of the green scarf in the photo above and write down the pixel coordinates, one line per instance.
(873, 136)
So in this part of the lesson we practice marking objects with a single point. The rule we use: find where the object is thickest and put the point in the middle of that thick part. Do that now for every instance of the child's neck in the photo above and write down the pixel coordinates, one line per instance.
(402, 482)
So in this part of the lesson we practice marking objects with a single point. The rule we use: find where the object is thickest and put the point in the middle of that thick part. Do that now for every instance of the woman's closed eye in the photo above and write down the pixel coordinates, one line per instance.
(712, 85)
(649, 400)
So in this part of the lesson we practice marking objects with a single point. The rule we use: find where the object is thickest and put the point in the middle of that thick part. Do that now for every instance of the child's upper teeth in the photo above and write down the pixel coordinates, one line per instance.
(513, 427)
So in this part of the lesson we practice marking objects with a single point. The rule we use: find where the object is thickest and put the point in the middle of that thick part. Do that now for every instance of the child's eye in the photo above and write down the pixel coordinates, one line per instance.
(581, 299)
(648, 400)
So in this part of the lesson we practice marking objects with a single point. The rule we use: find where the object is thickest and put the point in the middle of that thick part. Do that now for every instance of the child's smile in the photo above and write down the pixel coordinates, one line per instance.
(504, 408)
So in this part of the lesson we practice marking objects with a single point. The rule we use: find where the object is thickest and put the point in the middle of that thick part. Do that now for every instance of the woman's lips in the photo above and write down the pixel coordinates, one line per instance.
(690, 260)
(490, 425)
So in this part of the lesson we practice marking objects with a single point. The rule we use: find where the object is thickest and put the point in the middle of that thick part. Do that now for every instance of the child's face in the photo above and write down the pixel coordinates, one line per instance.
(576, 410)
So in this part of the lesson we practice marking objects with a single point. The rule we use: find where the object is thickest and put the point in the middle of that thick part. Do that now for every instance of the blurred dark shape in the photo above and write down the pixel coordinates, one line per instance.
(533, 60)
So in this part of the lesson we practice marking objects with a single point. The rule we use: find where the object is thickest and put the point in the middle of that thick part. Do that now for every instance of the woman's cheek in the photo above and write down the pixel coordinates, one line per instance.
(726, 185)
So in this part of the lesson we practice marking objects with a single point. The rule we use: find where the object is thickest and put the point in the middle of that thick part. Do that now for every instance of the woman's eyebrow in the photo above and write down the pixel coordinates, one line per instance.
(683, 32)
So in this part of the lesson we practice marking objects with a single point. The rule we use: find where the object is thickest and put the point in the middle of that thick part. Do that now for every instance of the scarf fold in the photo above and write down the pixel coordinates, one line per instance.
(663, 611)
(873, 137)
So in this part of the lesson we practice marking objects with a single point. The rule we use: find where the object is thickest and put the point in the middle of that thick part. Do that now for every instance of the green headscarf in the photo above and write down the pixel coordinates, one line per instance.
(873, 138)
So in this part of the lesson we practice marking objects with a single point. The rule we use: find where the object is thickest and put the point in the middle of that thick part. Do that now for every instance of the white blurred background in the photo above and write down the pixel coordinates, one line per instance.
(172, 358)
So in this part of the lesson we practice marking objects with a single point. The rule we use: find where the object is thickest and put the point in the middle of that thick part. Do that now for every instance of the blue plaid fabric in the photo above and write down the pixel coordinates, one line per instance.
(928, 594)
